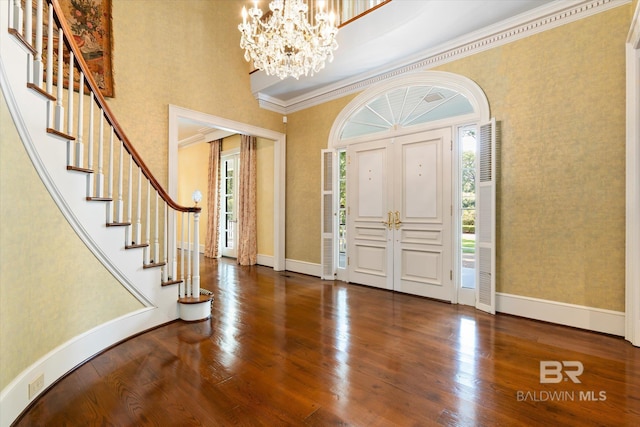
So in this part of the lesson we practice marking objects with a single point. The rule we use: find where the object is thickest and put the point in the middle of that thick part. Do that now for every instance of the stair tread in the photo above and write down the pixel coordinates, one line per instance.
(135, 246)
(41, 91)
(154, 264)
(61, 134)
(79, 169)
(171, 282)
(118, 224)
(99, 199)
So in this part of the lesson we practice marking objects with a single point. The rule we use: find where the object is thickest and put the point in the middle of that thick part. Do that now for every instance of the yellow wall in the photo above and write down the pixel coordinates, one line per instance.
(307, 134)
(562, 190)
(51, 287)
(185, 53)
(560, 96)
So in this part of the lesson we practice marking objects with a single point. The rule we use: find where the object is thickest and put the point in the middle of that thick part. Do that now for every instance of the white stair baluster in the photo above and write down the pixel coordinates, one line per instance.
(139, 210)
(50, 47)
(90, 147)
(38, 68)
(156, 242)
(147, 236)
(174, 248)
(100, 175)
(59, 124)
(110, 179)
(28, 36)
(79, 142)
(165, 246)
(70, 111)
(17, 16)
(128, 231)
(120, 203)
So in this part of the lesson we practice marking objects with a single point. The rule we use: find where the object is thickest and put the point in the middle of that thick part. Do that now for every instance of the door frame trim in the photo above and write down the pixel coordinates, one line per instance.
(279, 166)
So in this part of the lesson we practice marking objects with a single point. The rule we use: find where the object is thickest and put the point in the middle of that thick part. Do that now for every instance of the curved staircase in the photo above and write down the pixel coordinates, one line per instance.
(99, 182)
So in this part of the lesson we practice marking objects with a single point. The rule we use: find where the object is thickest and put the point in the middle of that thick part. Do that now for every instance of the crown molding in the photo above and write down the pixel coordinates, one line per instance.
(527, 24)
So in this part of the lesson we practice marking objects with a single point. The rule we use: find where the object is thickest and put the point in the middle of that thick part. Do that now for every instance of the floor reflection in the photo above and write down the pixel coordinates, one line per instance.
(466, 367)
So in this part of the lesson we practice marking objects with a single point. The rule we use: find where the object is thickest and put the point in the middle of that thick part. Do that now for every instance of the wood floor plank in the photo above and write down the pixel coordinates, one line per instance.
(288, 349)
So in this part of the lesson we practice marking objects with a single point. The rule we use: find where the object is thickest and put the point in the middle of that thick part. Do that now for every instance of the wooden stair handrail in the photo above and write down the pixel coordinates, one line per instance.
(100, 100)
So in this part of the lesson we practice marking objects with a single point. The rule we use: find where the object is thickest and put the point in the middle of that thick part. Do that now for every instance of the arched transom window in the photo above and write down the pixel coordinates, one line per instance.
(404, 107)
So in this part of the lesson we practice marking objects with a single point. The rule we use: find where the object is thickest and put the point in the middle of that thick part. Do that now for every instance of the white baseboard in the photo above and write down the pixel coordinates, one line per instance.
(266, 260)
(303, 267)
(14, 398)
(578, 316)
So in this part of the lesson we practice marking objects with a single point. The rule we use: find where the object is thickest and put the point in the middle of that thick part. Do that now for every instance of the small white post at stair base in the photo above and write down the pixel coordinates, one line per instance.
(183, 283)
(195, 291)
(189, 283)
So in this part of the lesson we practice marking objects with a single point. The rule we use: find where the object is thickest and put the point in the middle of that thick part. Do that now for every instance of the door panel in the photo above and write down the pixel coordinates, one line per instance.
(370, 258)
(400, 231)
(422, 242)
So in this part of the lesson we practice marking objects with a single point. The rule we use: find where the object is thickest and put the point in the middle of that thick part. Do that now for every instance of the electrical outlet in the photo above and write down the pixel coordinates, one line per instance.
(36, 385)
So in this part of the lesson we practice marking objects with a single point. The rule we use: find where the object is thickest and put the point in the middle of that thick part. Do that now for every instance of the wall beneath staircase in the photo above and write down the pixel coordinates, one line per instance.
(52, 288)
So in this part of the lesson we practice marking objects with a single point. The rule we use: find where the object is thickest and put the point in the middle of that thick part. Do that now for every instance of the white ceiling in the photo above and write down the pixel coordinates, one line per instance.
(394, 35)
(397, 34)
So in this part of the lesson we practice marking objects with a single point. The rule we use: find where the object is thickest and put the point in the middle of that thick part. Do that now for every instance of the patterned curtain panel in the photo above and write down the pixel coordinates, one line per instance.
(213, 201)
(248, 229)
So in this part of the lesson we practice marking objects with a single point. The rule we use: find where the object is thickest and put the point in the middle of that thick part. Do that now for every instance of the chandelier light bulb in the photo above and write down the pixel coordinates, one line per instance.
(285, 42)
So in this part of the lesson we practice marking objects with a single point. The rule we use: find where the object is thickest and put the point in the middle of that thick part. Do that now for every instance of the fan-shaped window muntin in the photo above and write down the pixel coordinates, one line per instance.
(404, 107)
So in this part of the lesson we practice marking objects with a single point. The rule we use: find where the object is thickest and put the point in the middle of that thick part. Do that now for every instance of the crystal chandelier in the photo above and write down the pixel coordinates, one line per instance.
(283, 42)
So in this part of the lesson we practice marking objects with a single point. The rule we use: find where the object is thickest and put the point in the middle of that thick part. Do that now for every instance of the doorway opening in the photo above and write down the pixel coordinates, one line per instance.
(229, 173)
(467, 148)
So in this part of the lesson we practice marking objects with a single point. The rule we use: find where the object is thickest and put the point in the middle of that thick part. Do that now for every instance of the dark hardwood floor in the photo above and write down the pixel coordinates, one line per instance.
(286, 349)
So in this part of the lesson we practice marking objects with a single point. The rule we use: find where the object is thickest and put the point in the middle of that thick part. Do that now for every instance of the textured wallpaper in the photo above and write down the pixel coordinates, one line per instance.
(560, 96)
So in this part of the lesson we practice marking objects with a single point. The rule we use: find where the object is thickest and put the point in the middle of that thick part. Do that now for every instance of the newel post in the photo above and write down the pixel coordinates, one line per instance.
(195, 280)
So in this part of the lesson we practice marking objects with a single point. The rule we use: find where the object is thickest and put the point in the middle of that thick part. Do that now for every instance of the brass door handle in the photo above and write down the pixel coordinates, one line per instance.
(397, 221)
(389, 221)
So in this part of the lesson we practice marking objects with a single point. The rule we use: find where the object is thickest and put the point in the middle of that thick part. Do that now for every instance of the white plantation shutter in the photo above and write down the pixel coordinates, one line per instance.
(486, 219)
(327, 210)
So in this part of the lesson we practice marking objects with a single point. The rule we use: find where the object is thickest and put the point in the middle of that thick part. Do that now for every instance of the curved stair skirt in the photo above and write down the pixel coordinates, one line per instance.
(193, 309)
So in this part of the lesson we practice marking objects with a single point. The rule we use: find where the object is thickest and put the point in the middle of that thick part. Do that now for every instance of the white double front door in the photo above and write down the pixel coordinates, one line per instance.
(399, 215)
